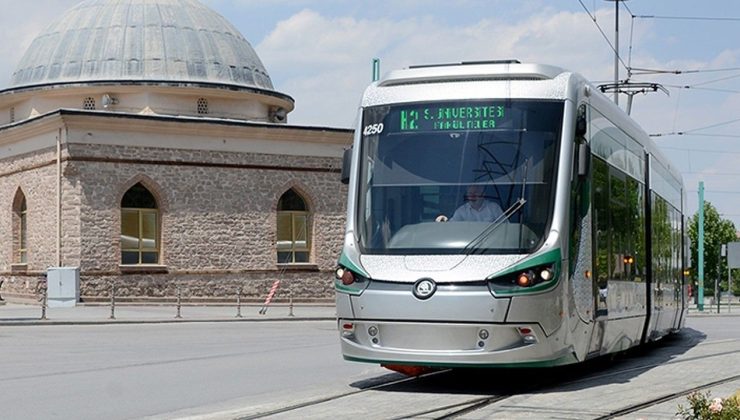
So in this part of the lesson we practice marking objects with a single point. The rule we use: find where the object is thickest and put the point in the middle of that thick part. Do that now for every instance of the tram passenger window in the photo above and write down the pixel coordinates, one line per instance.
(618, 224)
(601, 217)
(636, 236)
(661, 226)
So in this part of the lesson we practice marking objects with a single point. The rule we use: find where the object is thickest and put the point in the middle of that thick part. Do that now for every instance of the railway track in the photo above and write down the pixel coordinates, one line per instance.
(460, 394)
(665, 398)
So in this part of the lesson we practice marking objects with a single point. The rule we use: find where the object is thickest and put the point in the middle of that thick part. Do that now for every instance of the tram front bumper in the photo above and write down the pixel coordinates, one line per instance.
(450, 344)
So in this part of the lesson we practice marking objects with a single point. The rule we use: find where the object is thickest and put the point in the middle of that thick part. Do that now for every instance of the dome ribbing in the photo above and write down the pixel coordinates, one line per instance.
(141, 40)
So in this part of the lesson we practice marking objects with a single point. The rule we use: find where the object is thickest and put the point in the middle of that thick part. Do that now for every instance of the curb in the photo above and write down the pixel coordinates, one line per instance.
(712, 314)
(50, 322)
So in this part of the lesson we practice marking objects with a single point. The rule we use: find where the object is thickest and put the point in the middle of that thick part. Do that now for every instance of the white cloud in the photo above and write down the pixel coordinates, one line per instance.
(326, 61)
(20, 23)
(321, 55)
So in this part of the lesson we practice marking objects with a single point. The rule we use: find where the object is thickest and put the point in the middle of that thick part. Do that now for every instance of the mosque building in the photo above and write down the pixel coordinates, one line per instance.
(142, 141)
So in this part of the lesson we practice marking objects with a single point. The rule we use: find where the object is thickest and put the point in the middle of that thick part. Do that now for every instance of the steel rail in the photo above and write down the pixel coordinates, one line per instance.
(668, 397)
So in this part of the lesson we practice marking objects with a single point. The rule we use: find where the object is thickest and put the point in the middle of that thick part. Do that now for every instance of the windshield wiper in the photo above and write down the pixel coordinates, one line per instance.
(478, 240)
(518, 204)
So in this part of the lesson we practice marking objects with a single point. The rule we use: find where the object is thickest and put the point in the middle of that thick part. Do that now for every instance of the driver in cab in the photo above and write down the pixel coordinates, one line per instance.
(475, 209)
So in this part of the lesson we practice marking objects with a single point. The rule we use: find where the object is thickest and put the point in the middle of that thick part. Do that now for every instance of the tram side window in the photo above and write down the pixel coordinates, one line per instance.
(601, 220)
(677, 246)
(676, 256)
(636, 236)
(661, 226)
(578, 193)
(656, 211)
(619, 224)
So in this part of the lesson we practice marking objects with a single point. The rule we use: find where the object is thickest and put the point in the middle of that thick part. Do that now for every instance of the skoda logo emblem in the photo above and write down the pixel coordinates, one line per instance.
(424, 288)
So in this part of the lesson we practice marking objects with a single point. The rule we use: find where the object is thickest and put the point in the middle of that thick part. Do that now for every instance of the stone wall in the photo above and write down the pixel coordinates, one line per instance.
(298, 285)
(35, 176)
(218, 221)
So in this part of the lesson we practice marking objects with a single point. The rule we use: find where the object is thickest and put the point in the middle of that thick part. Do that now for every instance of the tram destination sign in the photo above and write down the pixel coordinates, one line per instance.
(445, 117)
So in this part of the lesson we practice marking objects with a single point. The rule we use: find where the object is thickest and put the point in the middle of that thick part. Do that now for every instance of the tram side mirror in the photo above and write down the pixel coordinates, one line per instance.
(584, 159)
(581, 123)
(346, 165)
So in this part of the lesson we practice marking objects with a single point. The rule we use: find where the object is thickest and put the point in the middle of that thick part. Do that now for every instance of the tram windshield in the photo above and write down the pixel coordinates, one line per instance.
(458, 177)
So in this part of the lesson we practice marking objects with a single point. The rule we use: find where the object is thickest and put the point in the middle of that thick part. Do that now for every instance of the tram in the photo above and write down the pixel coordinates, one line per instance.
(503, 214)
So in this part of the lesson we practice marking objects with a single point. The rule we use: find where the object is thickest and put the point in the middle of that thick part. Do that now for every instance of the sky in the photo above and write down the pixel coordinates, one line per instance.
(320, 52)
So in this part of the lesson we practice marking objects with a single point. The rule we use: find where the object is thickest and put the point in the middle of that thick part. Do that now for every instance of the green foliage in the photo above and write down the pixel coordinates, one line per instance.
(717, 231)
(701, 407)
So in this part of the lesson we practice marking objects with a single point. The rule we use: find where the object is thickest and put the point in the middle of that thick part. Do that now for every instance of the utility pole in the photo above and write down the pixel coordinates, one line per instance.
(627, 87)
(722, 253)
(700, 251)
(616, 50)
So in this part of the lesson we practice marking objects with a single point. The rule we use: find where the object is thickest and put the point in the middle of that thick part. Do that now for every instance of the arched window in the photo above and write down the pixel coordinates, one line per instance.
(293, 240)
(139, 227)
(20, 228)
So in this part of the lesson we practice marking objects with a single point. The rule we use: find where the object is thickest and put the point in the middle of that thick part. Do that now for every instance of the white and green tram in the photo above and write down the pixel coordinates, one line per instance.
(582, 250)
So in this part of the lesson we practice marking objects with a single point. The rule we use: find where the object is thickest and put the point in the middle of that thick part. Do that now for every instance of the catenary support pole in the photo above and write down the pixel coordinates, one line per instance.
(616, 52)
(700, 251)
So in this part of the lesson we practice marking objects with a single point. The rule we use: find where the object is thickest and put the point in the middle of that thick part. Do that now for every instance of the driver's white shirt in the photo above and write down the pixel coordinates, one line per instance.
(488, 212)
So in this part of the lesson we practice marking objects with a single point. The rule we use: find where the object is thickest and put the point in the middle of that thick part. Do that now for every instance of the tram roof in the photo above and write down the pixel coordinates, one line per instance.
(507, 79)
(501, 79)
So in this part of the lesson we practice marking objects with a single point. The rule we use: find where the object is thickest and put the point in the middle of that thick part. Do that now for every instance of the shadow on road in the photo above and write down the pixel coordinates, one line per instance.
(618, 368)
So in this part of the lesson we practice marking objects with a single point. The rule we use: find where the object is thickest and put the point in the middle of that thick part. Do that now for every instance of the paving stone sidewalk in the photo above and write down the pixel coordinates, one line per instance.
(20, 314)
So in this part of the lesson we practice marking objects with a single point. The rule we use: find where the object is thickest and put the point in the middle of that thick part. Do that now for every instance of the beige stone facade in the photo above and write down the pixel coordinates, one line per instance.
(191, 127)
(217, 184)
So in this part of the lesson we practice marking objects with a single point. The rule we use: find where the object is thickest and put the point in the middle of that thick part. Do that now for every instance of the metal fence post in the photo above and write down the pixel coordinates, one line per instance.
(729, 289)
(179, 303)
(113, 299)
(239, 303)
(44, 295)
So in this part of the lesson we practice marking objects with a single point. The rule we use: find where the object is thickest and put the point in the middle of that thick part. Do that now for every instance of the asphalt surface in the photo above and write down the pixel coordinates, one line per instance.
(189, 367)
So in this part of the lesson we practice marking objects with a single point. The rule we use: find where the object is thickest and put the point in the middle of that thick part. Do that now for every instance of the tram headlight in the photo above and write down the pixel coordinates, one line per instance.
(346, 277)
(546, 274)
(524, 279)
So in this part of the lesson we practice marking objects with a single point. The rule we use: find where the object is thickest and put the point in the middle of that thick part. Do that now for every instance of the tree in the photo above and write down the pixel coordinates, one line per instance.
(717, 231)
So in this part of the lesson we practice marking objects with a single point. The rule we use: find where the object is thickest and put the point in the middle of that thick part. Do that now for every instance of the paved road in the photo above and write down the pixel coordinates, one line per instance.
(186, 369)
(168, 370)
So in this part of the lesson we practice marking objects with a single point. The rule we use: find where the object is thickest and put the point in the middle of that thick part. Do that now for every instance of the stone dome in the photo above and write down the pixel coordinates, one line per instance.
(179, 41)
